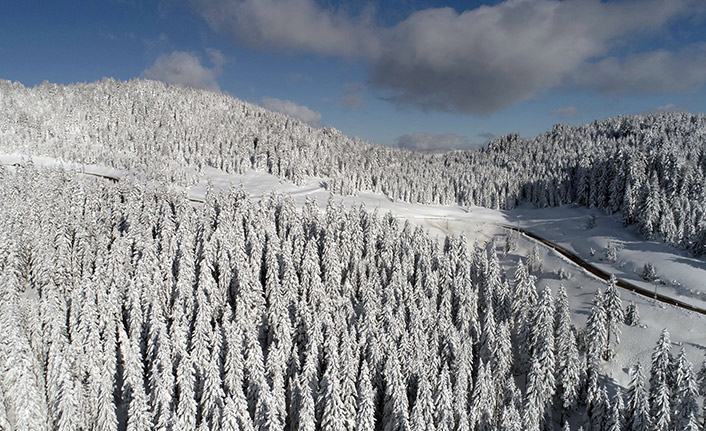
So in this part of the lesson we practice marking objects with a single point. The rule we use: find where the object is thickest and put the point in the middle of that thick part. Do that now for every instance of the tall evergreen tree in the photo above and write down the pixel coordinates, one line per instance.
(568, 365)
(684, 399)
(365, 400)
(614, 310)
(596, 331)
(443, 416)
(637, 411)
(660, 404)
(422, 417)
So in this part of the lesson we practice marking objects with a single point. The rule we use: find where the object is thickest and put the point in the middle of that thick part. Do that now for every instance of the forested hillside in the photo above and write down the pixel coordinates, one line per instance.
(650, 168)
(126, 307)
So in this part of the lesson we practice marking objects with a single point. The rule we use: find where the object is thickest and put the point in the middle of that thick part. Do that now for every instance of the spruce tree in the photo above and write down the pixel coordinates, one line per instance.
(614, 310)
(534, 397)
(596, 331)
(524, 300)
(365, 400)
(660, 392)
(568, 365)
(542, 347)
(396, 411)
(422, 418)
(186, 407)
(637, 407)
(684, 399)
(443, 400)
(333, 412)
(632, 315)
(615, 420)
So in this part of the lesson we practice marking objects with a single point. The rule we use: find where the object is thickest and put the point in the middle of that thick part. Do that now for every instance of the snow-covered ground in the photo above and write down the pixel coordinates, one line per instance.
(565, 226)
(683, 276)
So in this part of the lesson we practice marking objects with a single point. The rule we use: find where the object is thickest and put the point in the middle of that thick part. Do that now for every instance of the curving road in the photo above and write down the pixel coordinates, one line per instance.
(606, 276)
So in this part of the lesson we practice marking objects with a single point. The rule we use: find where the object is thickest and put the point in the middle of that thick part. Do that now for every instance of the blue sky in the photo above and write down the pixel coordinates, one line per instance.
(415, 73)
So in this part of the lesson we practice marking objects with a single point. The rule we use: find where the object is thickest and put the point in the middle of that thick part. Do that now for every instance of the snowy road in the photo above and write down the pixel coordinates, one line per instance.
(606, 276)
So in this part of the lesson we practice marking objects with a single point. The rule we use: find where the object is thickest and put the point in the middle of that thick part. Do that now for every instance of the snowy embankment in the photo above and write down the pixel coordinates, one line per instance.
(681, 275)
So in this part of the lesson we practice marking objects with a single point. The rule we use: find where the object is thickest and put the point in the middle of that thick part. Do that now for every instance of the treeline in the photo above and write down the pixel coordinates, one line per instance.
(125, 307)
(652, 169)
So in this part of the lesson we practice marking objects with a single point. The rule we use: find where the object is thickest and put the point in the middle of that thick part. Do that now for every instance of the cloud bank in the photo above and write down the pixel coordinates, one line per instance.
(302, 113)
(478, 61)
(421, 141)
(185, 68)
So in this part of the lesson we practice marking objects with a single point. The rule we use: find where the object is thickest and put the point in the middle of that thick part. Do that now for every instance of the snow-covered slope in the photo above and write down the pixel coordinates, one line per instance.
(681, 275)
(651, 169)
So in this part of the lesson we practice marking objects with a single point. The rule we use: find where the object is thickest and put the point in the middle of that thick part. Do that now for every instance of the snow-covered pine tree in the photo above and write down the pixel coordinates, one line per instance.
(616, 420)
(685, 408)
(396, 411)
(443, 400)
(422, 417)
(596, 331)
(637, 407)
(542, 348)
(632, 315)
(660, 391)
(333, 412)
(534, 397)
(600, 413)
(138, 415)
(483, 400)
(524, 300)
(613, 307)
(568, 364)
(534, 260)
(186, 406)
(365, 400)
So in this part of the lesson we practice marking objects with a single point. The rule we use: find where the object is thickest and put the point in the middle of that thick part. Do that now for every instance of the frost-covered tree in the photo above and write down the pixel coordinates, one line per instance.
(596, 331)
(685, 408)
(524, 300)
(365, 400)
(632, 315)
(637, 411)
(613, 307)
(660, 392)
(568, 364)
(422, 416)
(396, 411)
(616, 419)
(443, 416)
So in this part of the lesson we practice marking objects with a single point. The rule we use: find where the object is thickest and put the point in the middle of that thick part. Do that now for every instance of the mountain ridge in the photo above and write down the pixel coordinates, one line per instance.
(631, 164)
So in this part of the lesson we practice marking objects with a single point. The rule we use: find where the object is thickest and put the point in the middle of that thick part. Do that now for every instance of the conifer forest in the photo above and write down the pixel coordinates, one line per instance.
(128, 305)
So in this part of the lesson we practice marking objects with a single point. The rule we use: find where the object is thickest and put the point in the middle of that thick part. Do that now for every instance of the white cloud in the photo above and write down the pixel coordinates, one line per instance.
(185, 68)
(478, 61)
(567, 112)
(421, 141)
(352, 95)
(656, 71)
(302, 113)
(299, 25)
(669, 107)
(486, 59)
